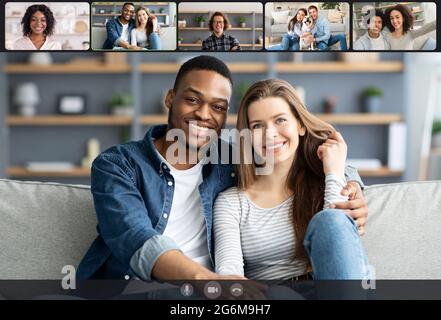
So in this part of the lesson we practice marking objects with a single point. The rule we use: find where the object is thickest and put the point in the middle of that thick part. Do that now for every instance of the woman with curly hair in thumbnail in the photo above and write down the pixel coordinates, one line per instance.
(400, 20)
(281, 225)
(38, 27)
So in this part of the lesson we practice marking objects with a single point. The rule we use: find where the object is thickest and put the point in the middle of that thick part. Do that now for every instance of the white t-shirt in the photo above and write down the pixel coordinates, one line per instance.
(186, 223)
(125, 32)
(377, 43)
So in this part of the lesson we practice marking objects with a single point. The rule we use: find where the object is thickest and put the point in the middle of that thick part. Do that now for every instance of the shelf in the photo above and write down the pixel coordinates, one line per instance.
(321, 67)
(78, 172)
(61, 120)
(381, 172)
(63, 68)
(230, 29)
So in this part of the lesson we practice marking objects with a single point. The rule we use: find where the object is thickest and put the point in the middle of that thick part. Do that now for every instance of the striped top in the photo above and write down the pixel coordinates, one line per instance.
(256, 242)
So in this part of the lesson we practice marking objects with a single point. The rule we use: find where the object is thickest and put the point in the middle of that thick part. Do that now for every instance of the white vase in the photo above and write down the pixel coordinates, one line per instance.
(27, 110)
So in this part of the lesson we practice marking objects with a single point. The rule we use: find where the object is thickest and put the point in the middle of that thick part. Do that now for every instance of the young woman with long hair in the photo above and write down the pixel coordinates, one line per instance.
(281, 225)
(146, 34)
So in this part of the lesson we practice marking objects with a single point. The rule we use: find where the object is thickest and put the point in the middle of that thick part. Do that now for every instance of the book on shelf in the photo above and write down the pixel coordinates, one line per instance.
(49, 166)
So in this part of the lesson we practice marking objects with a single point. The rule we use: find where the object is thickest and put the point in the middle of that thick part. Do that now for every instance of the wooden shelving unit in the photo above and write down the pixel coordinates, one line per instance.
(256, 67)
(61, 120)
(66, 68)
(109, 120)
(322, 67)
(78, 172)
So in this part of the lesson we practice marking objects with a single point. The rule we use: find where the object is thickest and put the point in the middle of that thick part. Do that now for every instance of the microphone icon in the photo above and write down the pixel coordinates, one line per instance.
(187, 289)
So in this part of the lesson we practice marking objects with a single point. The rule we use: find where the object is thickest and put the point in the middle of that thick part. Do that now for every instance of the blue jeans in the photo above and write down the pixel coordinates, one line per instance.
(323, 46)
(334, 247)
(155, 41)
(290, 42)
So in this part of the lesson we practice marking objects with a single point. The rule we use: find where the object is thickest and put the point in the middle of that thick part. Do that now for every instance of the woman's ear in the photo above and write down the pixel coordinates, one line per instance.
(302, 130)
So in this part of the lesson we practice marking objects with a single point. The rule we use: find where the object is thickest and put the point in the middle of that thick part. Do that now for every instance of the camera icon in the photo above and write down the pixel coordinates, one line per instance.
(212, 290)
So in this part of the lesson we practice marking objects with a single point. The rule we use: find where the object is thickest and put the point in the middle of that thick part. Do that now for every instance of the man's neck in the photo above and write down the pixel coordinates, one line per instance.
(123, 21)
(373, 35)
(218, 35)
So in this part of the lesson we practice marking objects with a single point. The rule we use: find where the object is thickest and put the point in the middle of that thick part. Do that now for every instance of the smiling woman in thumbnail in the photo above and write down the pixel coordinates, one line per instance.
(38, 27)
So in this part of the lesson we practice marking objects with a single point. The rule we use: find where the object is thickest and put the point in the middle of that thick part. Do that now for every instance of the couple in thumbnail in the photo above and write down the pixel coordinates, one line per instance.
(172, 206)
(392, 30)
(133, 29)
(309, 31)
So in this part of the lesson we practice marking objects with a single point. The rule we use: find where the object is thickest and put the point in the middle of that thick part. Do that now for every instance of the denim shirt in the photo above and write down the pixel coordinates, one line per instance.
(133, 192)
(114, 31)
(321, 30)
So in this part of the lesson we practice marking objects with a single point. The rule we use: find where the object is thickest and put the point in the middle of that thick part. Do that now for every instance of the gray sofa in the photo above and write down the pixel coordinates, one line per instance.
(45, 226)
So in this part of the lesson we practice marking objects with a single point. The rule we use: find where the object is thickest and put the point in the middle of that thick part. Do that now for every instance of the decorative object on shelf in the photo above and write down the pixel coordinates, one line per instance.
(85, 45)
(260, 40)
(71, 104)
(66, 45)
(200, 20)
(81, 27)
(40, 58)
(372, 99)
(121, 104)
(436, 133)
(102, 11)
(93, 150)
(242, 22)
(161, 10)
(49, 166)
(180, 39)
(182, 24)
(330, 104)
(359, 57)
(27, 98)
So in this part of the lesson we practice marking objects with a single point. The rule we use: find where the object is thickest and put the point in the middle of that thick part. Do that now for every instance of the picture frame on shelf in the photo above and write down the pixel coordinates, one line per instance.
(71, 104)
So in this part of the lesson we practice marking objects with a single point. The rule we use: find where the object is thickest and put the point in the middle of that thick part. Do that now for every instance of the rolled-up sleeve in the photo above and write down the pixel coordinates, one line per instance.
(123, 219)
(351, 174)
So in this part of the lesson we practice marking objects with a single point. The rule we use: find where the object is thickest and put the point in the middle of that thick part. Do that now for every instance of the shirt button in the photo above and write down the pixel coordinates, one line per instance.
(164, 166)
(233, 175)
(170, 183)
(127, 277)
(165, 216)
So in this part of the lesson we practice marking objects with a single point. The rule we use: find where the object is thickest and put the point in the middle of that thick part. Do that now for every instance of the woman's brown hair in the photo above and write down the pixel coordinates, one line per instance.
(408, 17)
(149, 26)
(294, 20)
(218, 14)
(306, 178)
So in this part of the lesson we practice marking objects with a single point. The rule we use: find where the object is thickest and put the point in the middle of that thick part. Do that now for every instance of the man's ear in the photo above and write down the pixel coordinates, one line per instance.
(169, 98)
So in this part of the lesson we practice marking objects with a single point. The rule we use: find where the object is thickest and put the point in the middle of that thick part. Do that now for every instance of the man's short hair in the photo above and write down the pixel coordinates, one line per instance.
(203, 63)
(312, 7)
(218, 14)
(127, 4)
(378, 13)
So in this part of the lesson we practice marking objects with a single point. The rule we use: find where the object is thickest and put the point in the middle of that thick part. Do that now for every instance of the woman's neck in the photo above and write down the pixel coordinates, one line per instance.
(36, 37)
(398, 33)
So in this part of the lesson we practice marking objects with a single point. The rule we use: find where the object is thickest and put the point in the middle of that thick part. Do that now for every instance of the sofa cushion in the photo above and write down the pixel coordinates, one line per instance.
(43, 227)
(403, 238)
(280, 17)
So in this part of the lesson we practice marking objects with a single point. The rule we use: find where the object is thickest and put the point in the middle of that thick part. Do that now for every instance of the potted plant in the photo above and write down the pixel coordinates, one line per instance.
(161, 10)
(372, 98)
(200, 20)
(436, 133)
(180, 39)
(242, 21)
(121, 104)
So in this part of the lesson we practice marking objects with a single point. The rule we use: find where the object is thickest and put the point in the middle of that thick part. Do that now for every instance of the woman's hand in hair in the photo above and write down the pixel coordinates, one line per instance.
(333, 154)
